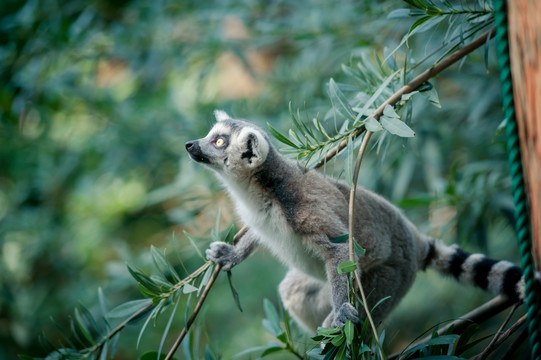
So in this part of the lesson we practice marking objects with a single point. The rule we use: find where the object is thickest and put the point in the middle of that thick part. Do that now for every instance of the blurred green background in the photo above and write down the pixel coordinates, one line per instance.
(97, 99)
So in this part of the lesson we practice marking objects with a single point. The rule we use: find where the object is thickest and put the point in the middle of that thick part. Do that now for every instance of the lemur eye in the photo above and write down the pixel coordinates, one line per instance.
(220, 142)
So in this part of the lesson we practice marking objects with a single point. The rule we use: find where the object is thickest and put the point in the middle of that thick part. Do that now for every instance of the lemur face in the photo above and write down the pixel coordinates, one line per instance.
(233, 148)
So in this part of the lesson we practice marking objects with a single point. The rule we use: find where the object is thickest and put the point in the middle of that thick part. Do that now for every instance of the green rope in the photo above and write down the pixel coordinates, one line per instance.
(522, 220)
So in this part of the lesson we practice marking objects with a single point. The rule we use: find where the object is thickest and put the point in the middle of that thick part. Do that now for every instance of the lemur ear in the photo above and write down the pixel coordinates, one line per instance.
(221, 115)
(255, 149)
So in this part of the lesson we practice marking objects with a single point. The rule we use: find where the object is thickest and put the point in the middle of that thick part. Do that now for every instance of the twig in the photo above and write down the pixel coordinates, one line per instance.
(201, 300)
(478, 315)
(514, 346)
(492, 343)
(411, 86)
(521, 321)
(196, 310)
(351, 239)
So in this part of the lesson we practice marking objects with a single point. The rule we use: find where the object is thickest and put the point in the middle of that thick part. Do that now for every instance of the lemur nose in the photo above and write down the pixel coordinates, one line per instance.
(189, 145)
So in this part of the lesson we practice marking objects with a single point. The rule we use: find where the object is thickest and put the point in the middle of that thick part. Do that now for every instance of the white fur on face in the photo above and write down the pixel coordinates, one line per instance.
(219, 129)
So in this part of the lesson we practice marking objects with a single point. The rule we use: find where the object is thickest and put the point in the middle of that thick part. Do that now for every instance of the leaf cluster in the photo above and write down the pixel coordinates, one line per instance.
(91, 337)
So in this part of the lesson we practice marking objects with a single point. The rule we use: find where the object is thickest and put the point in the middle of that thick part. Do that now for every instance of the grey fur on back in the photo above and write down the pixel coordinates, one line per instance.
(295, 212)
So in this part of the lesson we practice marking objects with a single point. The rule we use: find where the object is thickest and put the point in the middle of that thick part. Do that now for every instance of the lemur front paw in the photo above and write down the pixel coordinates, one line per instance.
(344, 313)
(223, 254)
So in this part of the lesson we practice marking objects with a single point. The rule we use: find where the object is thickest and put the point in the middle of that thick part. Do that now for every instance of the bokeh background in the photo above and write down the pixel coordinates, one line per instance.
(97, 99)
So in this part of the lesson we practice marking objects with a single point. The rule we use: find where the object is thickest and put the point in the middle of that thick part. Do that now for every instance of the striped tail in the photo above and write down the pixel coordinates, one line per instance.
(497, 277)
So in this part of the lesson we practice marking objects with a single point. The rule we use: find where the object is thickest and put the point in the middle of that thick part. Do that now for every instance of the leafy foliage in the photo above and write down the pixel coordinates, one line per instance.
(95, 338)
(96, 101)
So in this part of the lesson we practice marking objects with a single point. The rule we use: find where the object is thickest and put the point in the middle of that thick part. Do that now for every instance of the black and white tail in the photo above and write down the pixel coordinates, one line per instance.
(497, 277)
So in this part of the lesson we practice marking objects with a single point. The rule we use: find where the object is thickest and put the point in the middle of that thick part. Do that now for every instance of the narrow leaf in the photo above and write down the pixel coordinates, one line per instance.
(340, 239)
(346, 267)
(359, 250)
(272, 350)
(340, 101)
(234, 290)
(167, 327)
(349, 331)
(272, 316)
(103, 302)
(129, 308)
(152, 314)
(188, 288)
(281, 137)
(396, 127)
(389, 111)
(83, 328)
(205, 279)
(372, 124)
(194, 244)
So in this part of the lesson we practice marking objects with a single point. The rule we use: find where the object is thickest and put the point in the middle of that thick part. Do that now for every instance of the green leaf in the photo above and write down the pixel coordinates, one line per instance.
(388, 111)
(273, 320)
(338, 340)
(328, 332)
(234, 290)
(372, 124)
(349, 331)
(396, 127)
(380, 301)
(376, 94)
(228, 235)
(281, 137)
(168, 327)
(340, 101)
(440, 340)
(188, 288)
(194, 245)
(103, 302)
(83, 327)
(152, 314)
(206, 278)
(144, 280)
(359, 250)
(399, 14)
(341, 354)
(346, 267)
(272, 350)
(129, 308)
(340, 239)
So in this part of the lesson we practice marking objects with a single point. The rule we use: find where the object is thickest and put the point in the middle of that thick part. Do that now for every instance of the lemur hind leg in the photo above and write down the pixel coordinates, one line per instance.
(307, 299)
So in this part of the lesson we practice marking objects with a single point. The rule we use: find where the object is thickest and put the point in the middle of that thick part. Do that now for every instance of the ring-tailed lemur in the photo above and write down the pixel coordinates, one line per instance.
(295, 212)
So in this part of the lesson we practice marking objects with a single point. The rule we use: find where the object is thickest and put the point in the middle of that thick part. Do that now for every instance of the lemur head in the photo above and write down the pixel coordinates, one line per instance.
(233, 148)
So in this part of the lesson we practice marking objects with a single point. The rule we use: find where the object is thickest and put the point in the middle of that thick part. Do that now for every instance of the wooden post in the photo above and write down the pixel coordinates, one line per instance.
(525, 51)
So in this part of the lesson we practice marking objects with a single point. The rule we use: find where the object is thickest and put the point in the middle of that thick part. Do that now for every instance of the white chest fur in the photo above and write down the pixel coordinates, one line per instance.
(275, 233)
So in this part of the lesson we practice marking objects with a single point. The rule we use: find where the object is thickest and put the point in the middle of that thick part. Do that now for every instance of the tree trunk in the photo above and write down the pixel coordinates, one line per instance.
(525, 52)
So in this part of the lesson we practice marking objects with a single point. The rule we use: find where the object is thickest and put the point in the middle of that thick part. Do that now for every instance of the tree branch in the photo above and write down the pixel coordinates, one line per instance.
(201, 300)
(478, 315)
(411, 86)
(351, 216)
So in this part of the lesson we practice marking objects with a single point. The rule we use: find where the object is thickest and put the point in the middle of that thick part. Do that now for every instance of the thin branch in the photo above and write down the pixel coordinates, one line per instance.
(411, 86)
(515, 345)
(492, 345)
(478, 315)
(196, 310)
(503, 337)
(351, 239)
(201, 300)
